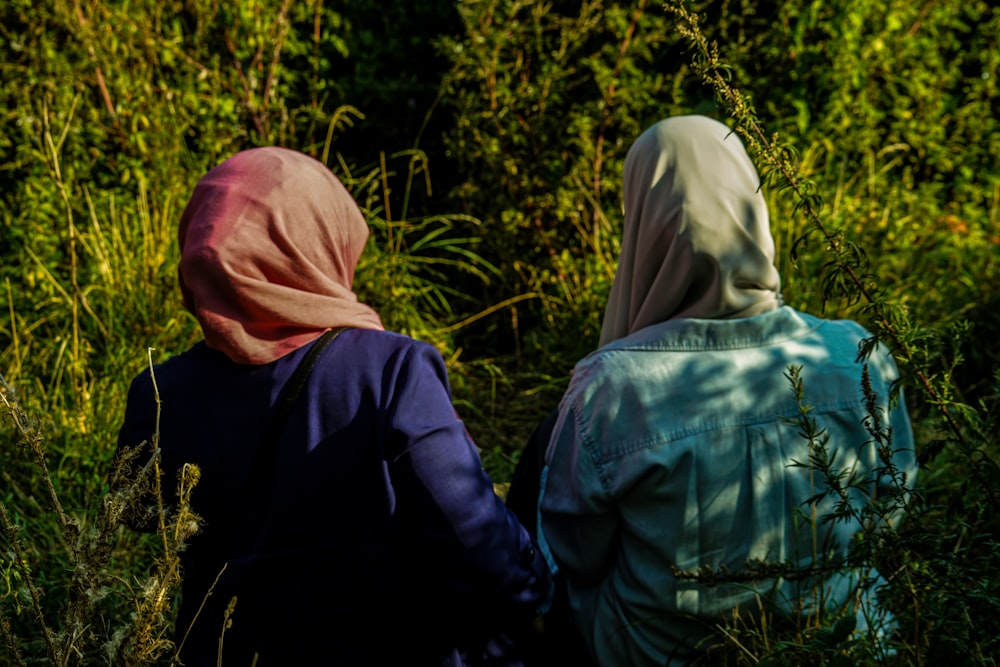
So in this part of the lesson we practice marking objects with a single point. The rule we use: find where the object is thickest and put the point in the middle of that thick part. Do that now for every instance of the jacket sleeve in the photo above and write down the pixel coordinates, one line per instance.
(579, 525)
(459, 524)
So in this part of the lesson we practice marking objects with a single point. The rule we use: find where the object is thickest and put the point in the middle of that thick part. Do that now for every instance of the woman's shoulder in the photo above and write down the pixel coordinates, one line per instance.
(369, 353)
(381, 343)
(847, 335)
(828, 326)
(378, 362)
(847, 339)
(377, 356)
(185, 363)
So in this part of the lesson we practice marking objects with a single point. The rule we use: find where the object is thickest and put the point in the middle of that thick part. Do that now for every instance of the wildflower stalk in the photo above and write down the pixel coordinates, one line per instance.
(11, 641)
(141, 642)
(89, 552)
(32, 438)
(847, 258)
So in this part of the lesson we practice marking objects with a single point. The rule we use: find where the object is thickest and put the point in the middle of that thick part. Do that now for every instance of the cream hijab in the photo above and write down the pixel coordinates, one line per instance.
(269, 242)
(696, 241)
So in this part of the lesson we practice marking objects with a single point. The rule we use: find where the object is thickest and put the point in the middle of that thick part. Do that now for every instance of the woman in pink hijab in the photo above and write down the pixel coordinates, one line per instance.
(344, 505)
(675, 446)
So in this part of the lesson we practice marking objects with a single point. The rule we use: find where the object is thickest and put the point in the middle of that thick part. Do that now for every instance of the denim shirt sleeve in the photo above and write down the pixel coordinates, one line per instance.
(579, 524)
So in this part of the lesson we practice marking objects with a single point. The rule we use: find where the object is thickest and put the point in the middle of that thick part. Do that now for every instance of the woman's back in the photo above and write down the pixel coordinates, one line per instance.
(353, 540)
(678, 444)
(683, 441)
(350, 541)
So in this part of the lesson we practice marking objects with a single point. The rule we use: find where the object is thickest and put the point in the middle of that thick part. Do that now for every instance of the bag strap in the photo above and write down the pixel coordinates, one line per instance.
(290, 392)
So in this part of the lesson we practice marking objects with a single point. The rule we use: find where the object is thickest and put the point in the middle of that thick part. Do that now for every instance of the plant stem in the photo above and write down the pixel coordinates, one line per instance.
(713, 72)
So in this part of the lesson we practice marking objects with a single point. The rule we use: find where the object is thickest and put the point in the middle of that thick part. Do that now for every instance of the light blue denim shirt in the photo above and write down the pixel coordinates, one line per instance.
(674, 449)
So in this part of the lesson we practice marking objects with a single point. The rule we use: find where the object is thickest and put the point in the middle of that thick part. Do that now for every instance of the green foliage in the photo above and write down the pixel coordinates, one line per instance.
(392, 72)
(412, 267)
(890, 107)
(547, 98)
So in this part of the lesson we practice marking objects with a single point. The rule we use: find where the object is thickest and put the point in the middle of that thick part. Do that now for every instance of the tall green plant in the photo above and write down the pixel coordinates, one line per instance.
(928, 549)
(547, 97)
(90, 616)
(891, 105)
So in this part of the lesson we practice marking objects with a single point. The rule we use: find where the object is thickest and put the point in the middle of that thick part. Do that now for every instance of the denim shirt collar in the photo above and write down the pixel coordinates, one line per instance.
(689, 334)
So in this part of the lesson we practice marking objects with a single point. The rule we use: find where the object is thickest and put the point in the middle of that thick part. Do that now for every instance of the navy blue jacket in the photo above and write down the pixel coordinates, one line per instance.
(376, 520)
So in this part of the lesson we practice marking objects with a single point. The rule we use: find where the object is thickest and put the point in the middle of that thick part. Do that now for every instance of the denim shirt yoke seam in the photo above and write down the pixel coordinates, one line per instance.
(624, 448)
(758, 331)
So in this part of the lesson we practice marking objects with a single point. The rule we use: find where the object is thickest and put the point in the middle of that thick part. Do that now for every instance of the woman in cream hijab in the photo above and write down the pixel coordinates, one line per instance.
(697, 241)
(673, 449)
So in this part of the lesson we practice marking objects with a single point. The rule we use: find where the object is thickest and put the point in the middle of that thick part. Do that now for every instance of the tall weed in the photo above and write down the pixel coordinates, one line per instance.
(937, 568)
(94, 611)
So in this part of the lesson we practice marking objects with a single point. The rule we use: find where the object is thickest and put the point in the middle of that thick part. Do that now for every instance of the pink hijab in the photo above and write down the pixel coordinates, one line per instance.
(269, 243)
(696, 241)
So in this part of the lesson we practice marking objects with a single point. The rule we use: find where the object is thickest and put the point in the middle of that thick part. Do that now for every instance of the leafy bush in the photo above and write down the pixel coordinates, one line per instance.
(547, 98)
(878, 100)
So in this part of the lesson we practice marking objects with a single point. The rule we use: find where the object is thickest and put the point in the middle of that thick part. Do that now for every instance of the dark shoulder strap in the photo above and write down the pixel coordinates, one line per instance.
(292, 389)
